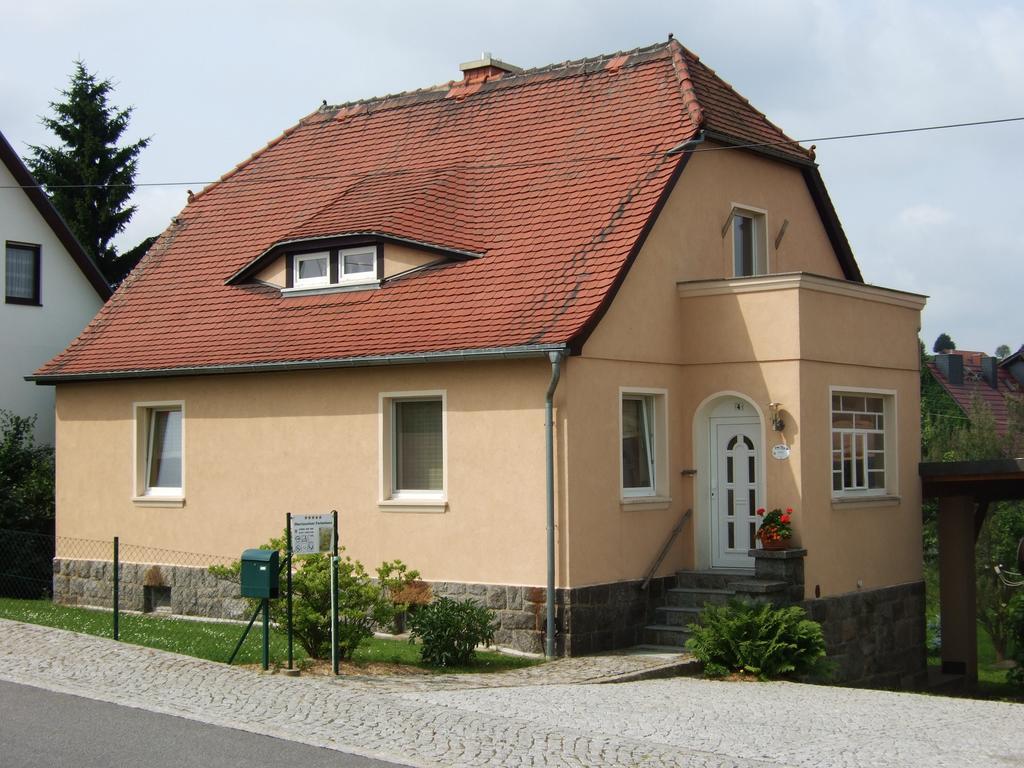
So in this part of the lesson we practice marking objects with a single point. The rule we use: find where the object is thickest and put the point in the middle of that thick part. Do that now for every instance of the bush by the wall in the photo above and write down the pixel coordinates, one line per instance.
(757, 639)
(450, 630)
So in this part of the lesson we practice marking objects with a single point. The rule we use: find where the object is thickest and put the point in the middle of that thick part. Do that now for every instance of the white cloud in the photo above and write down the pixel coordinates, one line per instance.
(924, 216)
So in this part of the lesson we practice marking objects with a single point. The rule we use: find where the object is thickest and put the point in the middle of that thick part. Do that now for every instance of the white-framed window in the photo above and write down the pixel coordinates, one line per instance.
(160, 449)
(643, 443)
(358, 264)
(312, 269)
(863, 442)
(413, 446)
(749, 246)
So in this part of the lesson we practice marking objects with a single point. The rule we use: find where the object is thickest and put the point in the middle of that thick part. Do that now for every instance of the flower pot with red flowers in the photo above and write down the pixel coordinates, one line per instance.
(776, 529)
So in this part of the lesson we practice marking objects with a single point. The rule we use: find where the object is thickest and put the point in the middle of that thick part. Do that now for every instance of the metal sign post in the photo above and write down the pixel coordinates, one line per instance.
(288, 566)
(334, 593)
(266, 634)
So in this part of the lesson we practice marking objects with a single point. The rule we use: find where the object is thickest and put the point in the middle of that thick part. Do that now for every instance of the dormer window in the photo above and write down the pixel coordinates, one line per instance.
(333, 269)
(312, 270)
(358, 264)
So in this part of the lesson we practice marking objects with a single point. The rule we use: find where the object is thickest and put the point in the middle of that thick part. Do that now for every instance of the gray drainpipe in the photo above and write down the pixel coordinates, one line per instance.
(549, 439)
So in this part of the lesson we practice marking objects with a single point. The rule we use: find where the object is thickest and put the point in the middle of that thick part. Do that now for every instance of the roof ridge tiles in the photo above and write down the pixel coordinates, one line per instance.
(507, 79)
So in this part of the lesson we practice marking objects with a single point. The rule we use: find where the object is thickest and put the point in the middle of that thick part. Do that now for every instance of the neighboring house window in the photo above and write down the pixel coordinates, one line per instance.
(748, 243)
(862, 443)
(312, 269)
(22, 264)
(414, 445)
(643, 444)
(358, 264)
(159, 449)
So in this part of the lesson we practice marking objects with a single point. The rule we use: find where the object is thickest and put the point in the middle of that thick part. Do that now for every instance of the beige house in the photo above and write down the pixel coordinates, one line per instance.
(369, 313)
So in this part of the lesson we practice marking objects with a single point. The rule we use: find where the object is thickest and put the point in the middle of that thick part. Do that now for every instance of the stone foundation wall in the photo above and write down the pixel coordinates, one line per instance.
(588, 619)
(876, 638)
(194, 590)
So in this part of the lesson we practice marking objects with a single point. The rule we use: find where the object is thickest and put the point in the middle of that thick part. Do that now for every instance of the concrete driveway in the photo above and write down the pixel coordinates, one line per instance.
(534, 721)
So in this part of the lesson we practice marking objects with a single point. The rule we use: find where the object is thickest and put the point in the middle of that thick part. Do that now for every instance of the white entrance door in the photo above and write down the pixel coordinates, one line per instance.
(735, 491)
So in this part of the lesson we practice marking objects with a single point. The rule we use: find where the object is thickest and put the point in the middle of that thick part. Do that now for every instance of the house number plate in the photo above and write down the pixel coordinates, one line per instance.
(780, 452)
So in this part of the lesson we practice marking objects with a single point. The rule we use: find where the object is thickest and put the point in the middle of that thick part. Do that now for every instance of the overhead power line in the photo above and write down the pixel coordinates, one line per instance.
(566, 160)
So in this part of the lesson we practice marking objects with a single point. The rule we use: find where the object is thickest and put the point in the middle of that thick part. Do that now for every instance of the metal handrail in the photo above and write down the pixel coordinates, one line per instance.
(664, 549)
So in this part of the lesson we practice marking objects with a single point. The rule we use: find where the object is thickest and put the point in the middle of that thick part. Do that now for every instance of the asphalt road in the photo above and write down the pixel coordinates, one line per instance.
(41, 729)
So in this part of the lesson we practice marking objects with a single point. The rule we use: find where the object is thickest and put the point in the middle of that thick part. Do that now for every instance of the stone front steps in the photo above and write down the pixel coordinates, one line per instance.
(684, 602)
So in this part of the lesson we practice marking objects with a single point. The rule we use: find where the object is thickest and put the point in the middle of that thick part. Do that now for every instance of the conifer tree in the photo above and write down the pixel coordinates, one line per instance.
(88, 176)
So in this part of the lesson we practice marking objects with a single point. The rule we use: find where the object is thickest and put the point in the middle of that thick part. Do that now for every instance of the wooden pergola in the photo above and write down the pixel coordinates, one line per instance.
(964, 489)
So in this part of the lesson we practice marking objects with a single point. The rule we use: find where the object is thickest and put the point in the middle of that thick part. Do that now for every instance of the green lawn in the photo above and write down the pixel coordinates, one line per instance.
(215, 640)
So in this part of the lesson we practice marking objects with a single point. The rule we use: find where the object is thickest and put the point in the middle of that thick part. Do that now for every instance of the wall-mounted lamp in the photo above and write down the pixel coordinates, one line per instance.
(775, 414)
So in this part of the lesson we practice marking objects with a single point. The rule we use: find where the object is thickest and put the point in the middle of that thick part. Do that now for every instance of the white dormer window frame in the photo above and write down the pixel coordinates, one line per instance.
(316, 281)
(351, 259)
(349, 268)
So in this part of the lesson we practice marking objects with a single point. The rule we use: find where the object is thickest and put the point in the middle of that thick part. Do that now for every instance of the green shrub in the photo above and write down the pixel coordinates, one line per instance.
(450, 630)
(1015, 610)
(363, 603)
(755, 638)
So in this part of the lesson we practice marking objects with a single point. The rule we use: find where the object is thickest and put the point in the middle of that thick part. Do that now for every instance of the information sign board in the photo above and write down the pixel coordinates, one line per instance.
(312, 534)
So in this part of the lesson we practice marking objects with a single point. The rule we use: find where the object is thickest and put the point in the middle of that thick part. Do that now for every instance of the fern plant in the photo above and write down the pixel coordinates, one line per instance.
(757, 639)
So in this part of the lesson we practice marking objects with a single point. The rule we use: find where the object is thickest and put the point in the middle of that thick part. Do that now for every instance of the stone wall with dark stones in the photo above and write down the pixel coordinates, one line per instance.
(875, 638)
(194, 591)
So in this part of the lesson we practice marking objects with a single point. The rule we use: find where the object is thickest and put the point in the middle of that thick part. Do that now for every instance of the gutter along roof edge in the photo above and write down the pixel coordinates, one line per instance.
(498, 353)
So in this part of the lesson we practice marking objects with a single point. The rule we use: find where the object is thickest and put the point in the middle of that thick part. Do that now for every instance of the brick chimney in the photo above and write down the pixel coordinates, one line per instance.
(952, 367)
(486, 67)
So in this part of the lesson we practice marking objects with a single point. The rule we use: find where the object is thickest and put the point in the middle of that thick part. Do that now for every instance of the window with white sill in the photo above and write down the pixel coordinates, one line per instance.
(863, 443)
(642, 443)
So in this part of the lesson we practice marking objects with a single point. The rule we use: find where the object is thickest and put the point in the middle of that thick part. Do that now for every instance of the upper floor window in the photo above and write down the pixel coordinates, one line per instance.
(862, 449)
(22, 264)
(748, 243)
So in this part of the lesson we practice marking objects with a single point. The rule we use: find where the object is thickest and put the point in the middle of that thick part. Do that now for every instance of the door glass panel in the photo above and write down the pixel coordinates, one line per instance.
(732, 536)
(728, 469)
(731, 508)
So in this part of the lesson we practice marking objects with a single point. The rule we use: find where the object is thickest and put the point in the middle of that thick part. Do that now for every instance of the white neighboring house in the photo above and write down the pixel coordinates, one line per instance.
(52, 289)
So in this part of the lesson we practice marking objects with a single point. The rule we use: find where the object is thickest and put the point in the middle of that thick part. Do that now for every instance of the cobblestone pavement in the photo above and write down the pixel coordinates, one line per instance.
(671, 722)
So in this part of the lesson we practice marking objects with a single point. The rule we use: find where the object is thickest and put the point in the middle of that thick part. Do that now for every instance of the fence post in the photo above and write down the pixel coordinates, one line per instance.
(117, 579)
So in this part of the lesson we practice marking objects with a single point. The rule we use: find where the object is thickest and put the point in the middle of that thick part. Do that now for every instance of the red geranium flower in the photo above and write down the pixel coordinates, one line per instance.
(785, 518)
(760, 511)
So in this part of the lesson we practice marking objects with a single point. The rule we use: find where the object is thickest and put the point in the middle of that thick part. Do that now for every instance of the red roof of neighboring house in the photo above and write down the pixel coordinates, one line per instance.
(975, 387)
(553, 176)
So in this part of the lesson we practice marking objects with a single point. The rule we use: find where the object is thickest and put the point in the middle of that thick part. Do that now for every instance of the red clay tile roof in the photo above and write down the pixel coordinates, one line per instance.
(975, 388)
(553, 175)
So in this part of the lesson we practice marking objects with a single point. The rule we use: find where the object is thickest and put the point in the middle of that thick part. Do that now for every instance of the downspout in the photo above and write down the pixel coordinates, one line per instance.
(549, 440)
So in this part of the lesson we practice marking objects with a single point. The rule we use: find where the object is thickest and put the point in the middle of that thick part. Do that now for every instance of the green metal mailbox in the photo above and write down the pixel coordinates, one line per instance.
(260, 573)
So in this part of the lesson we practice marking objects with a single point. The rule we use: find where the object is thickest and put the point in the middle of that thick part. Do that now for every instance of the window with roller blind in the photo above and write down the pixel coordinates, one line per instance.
(22, 268)
(414, 446)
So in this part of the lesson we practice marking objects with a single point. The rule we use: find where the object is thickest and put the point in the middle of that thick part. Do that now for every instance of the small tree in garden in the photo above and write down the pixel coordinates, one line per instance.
(363, 603)
(943, 344)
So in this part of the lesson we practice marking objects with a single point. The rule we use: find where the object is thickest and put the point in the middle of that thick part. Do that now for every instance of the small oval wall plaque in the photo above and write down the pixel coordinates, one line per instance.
(780, 452)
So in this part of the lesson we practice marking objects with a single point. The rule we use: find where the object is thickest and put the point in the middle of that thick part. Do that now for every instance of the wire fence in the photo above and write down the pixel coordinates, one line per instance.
(76, 571)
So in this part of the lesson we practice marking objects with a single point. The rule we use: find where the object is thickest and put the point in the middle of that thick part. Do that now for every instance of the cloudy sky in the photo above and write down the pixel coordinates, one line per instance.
(939, 213)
